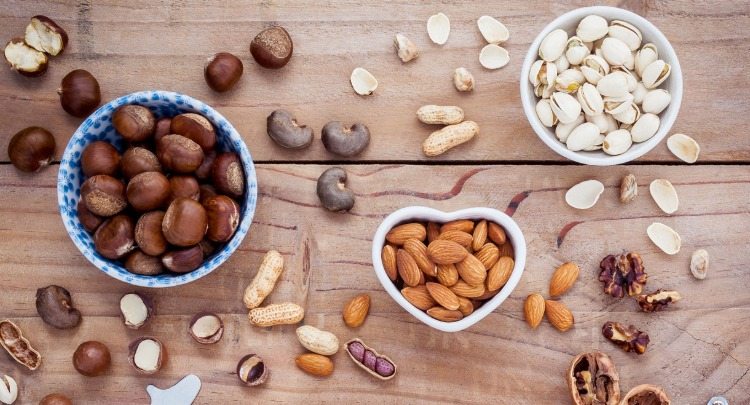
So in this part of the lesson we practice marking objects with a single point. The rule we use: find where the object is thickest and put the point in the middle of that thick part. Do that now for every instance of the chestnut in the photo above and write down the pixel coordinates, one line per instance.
(24, 59)
(45, 35)
(114, 238)
(136, 309)
(183, 260)
(134, 122)
(88, 220)
(222, 71)
(185, 222)
(206, 328)
(55, 399)
(203, 172)
(138, 160)
(92, 358)
(148, 233)
(227, 175)
(223, 218)
(104, 195)
(79, 93)
(195, 127)
(272, 48)
(147, 354)
(207, 247)
(163, 127)
(184, 186)
(251, 370)
(148, 191)
(179, 154)
(143, 264)
(31, 149)
(100, 157)
(206, 191)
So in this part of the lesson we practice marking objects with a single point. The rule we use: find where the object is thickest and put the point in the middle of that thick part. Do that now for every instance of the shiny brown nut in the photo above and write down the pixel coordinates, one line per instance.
(55, 306)
(88, 220)
(45, 35)
(163, 127)
(79, 93)
(223, 218)
(206, 328)
(136, 310)
(147, 354)
(206, 191)
(195, 127)
(92, 359)
(183, 186)
(24, 59)
(104, 195)
(227, 175)
(345, 141)
(138, 160)
(283, 129)
(148, 191)
(149, 235)
(31, 149)
(185, 222)
(222, 71)
(143, 264)
(134, 122)
(183, 260)
(100, 157)
(203, 172)
(272, 48)
(208, 247)
(251, 370)
(179, 154)
(55, 399)
(114, 238)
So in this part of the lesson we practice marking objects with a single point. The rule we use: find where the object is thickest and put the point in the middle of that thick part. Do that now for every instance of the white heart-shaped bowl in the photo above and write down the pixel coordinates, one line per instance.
(426, 214)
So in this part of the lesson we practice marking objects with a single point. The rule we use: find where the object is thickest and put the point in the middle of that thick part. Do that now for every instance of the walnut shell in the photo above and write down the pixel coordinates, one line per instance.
(646, 394)
(593, 380)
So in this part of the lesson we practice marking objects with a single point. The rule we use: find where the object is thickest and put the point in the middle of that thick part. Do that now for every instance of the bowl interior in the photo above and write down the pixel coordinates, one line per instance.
(98, 126)
(419, 214)
(568, 22)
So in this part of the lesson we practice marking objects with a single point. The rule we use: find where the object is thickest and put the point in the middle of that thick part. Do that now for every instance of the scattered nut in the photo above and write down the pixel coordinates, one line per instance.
(377, 365)
(314, 364)
(449, 137)
(345, 141)
(24, 59)
(115, 237)
(137, 160)
(45, 35)
(147, 354)
(55, 399)
(185, 222)
(332, 191)
(92, 359)
(104, 195)
(657, 300)
(265, 279)
(405, 49)
(100, 157)
(533, 310)
(31, 149)
(318, 341)
(227, 175)
(134, 122)
(623, 273)
(592, 379)
(438, 114)
(8, 390)
(222, 71)
(684, 147)
(251, 370)
(206, 328)
(438, 28)
(493, 56)
(492, 30)
(664, 237)
(699, 264)
(272, 48)
(665, 195)
(286, 313)
(463, 79)
(195, 127)
(55, 306)
(646, 394)
(558, 315)
(183, 260)
(363, 82)
(136, 310)
(17, 346)
(563, 279)
(628, 338)
(283, 129)
(585, 194)
(356, 310)
(79, 93)
(628, 188)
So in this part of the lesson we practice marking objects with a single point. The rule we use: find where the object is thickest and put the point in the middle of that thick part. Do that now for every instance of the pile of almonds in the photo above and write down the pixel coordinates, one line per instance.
(558, 315)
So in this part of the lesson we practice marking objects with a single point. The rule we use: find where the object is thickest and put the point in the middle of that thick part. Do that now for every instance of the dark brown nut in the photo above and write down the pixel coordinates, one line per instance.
(45, 35)
(332, 190)
(143, 264)
(206, 191)
(227, 175)
(136, 310)
(179, 154)
(17, 346)
(147, 354)
(138, 160)
(114, 238)
(185, 222)
(79, 93)
(646, 394)
(92, 358)
(272, 48)
(222, 71)
(100, 157)
(206, 328)
(25, 59)
(184, 260)
(195, 127)
(208, 247)
(184, 186)
(251, 370)
(377, 365)
(163, 127)
(55, 399)
(628, 338)
(104, 195)
(149, 235)
(31, 149)
(283, 129)
(89, 221)
(135, 123)
(593, 380)
(658, 300)
(55, 306)
(623, 273)
(345, 141)
(148, 191)
(223, 218)
(203, 172)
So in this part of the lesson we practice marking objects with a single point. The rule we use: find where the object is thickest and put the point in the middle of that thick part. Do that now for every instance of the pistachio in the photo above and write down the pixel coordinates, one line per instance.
(576, 50)
(562, 63)
(626, 33)
(644, 57)
(553, 45)
(631, 80)
(542, 72)
(592, 28)
(545, 114)
(562, 131)
(655, 101)
(699, 264)
(664, 237)
(597, 145)
(617, 53)
(585, 194)
(639, 92)
(645, 127)
(544, 90)
(665, 195)
(617, 142)
(629, 115)
(590, 99)
(614, 84)
(594, 67)
(617, 105)
(569, 81)
(582, 137)
(565, 107)
(655, 74)
(602, 121)
(684, 147)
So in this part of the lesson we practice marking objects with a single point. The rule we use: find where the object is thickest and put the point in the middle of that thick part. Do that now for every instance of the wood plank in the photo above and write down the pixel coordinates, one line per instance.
(699, 347)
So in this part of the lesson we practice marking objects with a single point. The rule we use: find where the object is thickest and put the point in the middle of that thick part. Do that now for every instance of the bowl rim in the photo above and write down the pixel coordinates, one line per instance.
(208, 265)
(667, 118)
(420, 213)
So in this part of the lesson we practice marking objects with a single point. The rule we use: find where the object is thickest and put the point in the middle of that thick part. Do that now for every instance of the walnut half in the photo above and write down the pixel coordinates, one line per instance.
(646, 394)
(593, 380)
(628, 338)
(623, 273)
(658, 300)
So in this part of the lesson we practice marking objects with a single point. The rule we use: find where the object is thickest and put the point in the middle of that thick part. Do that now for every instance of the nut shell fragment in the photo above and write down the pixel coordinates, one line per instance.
(699, 264)
(405, 48)
(463, 79)
(492, 30)
(19, 348)
(584, 194)
(628, 188)
(438, 28)
(628, 338)
(493, 56)
(251, 370)
(363, 82)
(593, 380)
(646, 394)
(665, 195)
(664, 237)
(684, 147)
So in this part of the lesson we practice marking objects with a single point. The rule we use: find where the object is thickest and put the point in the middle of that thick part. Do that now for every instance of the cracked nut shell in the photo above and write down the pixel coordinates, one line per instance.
(147, 354)
(646, 394)
(92, 358)
(345, 141)
(332, 190)
(31, 149)
(593, 380)
(79, 93)
(55, 306)
(251, 370)
(24, 59)
(206, 328)
(44, 35)
(272, 48)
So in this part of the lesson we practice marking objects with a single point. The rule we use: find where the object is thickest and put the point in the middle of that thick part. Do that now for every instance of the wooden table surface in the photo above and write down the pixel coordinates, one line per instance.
(699, 347)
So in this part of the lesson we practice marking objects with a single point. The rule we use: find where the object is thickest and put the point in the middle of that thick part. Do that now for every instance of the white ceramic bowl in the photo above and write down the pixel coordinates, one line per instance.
(568, 22)
(410, 214)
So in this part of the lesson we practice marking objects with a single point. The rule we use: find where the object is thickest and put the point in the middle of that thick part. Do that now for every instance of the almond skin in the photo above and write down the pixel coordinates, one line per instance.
(388, 256)
(472, 270)
(356, 310)
(506, 249)
(419, 297)
(465, 306)
(315, 364)
(463, 225)
(488, 254)
(408, 269)
(563, 279)
(468, 291)
(480, 235)
(496, 233)
(500, 273)
(533, 310)
(446, 252)
(445, 315)
(443, 296)
(433, 231)
(418, 252)
(404, 232)
(559, 315)
(462, 238)
(447, 274)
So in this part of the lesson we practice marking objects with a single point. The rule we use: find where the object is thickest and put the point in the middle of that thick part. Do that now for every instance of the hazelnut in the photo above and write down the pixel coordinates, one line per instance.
(185, 222)
(148, 233)
(222, 71)
(223, 218)
(45, 35)
(100, 157)
(206, 328)
(138, 160)
(31, 149)
(184, 186)
(195, 127)
(147, 354)
(91, 358)
(203, 172)
(114, 238)
(163, 127)
(134, 122)
(136, 310)
(104, 195)
(88, 220)
(251, 370)
(79, 93)
(272, 48)
(184, 260)
(227, 175)
(55, 399)
(55, 306)
(143, 264)
(24, 59)
(148, 191)
(206, 191)
(179, 154)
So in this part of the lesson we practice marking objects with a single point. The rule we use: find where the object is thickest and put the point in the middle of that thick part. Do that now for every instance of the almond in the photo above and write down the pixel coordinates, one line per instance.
(468, 291)
(404, 232)
(315, 364)
(559, 315)
(487, 295)
(500, 273)
(496, 233)
(488, 255)
(533, 310)
(465, 306)
(563, 278)
(446, 252)
(418, 252)
(447, 274)
(506, 249)
(443, 296)
(407, 268)
(419, 297)
(445, 315)
(463, 225)
(433, 231)
(356, 310)
(480, 235)
(388, 256)
(462, 238)
(472, 270)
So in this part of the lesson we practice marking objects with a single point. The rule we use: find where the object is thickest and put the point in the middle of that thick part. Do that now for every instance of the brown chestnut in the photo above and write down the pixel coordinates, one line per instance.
(138, 160)
(195, 127)
(148, 233)
(92, 358)
(134, 122)
(55, 399)
(147, 354)
(222, 71)
(24, 59)
(100, 157)
(185, 222)
(31, 149)
(79, 93)
(143, 264)
(227, 175)
(45, 35)
(272, 48)
(148, 191)
(163, 127)
(208, 247)
(115, 238)
(183, 260)
(184, 186)
(207, 191)
(88, 220)
(179, 154)
(206, 328)
(223, 218)
(203, 172)
(104, 195)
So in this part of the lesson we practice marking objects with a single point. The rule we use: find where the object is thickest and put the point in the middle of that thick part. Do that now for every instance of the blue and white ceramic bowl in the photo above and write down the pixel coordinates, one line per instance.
(98, 126)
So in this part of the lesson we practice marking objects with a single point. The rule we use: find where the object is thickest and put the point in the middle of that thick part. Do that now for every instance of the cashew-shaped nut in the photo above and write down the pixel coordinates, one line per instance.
(55, 306)
(283, 128)
(345, 141)
(8, 390)
(332, 190)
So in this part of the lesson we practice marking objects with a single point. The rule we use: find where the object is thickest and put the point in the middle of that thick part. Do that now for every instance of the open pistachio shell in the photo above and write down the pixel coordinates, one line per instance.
(492, 30)
(585, 194)
(562, 131)
(629, 116)
(562, 63)
(664, 237)
(655, 74)
(565, 107)
(617, 53)
(545, 114)
(569, 81)
(493, 56)
(626, 33)
(639, 92)
(594, 67)
(614, 84)
(590, 99)
(684, 147)
(665, 195)
(576, 50)
(617, 105)
(644, 57)
(553, 45)
(438, 28)
(542, 72)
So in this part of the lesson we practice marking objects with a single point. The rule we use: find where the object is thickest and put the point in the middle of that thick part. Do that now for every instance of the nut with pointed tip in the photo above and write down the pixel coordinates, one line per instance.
(147, 354)
(315, 364)
(332, 191)
(31, 149)
(251, 370)
(272, 48)
(45, 35)
(533, 310)
(24, 59)
(401, 233)
(345, 141)
(558, 315)
(283, 129)
(206, 328)
(355, 311)
(222, 71)
(135, 309)
(134, 122)
(563, 279)
(79, 93)
(492, 30)
(55, 306)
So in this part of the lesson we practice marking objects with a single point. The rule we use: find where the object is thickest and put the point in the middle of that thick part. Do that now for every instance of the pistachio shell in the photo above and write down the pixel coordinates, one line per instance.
(562, 63)
(565, 107)
(569, 81)
(617, 142)
(585, 194)
(591, 28)
(597, 145)
(614, 84)
(655, 101)
(629, 116)
(617, 105)
(493, 56)
(438, 28)
(664, 195)
(639, 92)
(600, 120)
(594, 68)
(655, 74)
(664, 237)
(645, 127)
(644, 57)
(493, 31)
(583, 136)
(684, 147)
(626, 33)
(544, 90)
(544, 112)
(562, 131)
(553, 45)
(630, 77)
(542, 72)
(590, 99)
(576, 50)
(617, 53)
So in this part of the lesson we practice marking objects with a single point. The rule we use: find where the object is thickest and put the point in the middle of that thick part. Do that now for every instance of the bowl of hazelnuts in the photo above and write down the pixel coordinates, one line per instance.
(156, 189)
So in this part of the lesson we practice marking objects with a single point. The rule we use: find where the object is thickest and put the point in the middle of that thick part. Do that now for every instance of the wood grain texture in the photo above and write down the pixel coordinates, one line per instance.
(699, 346)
